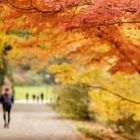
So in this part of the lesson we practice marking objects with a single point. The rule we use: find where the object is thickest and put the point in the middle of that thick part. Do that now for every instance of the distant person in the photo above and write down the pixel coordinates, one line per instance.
(27, 97)
(37, 98)
(6, 101)
(33, 97)
(42, 97)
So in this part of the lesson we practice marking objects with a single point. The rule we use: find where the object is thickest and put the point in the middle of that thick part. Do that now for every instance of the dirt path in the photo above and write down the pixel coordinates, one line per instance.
(36, 122)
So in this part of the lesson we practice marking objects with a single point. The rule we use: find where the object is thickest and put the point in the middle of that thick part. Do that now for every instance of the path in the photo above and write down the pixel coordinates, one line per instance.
(36, 122)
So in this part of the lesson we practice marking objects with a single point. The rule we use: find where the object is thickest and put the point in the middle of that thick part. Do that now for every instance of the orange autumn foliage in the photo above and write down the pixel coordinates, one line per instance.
(101, 22)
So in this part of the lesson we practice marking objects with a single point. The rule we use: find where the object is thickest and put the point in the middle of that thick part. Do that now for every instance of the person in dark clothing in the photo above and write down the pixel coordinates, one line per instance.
(6, 101)
(27, 97)
(42, 97)
(37, 98)
(33, 97)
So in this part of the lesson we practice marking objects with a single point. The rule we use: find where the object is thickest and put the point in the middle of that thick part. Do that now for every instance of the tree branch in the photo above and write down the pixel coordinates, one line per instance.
(127, 58)
(52, 12)
(19, 8)
(35, 8)
(115, 94)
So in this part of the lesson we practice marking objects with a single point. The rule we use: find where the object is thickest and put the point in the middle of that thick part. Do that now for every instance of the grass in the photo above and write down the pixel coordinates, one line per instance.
(20, 92)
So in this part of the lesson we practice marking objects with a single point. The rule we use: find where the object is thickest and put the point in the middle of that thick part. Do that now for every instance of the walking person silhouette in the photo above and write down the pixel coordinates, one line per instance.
(37, 98)
(6, 101)
(33, 96)
(42, 97)
(27, 97)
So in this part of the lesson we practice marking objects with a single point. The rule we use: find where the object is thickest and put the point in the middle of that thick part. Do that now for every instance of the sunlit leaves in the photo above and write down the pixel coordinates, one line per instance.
(112, 107)
(103, 21)
(111, 96)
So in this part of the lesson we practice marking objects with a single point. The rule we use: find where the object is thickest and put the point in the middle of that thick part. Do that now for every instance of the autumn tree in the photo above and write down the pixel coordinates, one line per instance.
(92, 33)
(115, 23)
(108, 30)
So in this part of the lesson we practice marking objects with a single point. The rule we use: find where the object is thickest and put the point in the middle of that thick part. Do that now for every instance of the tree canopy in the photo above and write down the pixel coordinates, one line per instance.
(109, 28)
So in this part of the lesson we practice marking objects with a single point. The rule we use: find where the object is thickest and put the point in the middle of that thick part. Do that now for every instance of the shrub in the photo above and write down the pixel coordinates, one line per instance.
(74, 100)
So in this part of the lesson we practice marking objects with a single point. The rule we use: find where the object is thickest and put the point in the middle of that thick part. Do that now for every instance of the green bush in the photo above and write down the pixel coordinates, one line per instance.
(74, 100)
